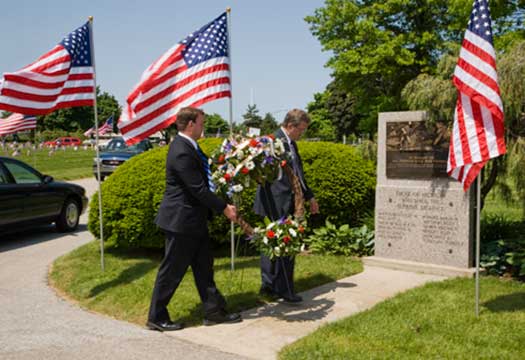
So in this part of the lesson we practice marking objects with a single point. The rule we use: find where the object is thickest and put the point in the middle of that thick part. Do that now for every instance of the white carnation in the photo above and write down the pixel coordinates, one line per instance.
(237, 188)
(265, 240)
(292, 232)
(250, 165)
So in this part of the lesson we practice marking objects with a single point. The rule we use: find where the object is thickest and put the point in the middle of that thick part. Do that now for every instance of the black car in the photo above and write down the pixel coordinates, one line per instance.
(29, 198)
(116, 153)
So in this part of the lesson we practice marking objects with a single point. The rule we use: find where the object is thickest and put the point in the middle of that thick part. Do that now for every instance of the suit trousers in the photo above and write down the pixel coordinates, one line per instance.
(181, 251)
(277, 275)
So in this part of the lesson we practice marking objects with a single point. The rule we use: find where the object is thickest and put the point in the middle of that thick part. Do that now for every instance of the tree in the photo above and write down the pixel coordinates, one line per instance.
(321, 126)
(252, 117)
(378, 47)
(268, 124)
(215, 124)
(82, 118)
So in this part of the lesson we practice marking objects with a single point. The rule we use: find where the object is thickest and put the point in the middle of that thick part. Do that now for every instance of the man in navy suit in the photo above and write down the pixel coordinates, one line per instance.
(183, 215)
(276, 200)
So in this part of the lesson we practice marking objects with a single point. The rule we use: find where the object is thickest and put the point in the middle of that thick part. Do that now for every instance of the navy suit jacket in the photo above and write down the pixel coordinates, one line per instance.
(277, 200)
(187, 201)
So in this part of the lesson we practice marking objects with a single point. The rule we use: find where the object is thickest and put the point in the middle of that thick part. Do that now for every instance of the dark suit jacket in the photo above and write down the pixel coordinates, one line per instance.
(280, 191)
(187, 200)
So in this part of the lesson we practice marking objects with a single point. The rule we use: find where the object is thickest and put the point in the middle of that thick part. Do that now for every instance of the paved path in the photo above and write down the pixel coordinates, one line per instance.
(37, 324)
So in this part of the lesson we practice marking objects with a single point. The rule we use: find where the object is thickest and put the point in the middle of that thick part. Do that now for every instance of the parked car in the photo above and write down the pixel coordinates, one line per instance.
(29, 198)
(115, 153)
(64, 141)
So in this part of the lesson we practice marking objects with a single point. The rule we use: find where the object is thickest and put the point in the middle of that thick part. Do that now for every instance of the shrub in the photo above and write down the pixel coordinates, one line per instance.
(341, 241)
(130, 199)
(342, 181)
(503, 246)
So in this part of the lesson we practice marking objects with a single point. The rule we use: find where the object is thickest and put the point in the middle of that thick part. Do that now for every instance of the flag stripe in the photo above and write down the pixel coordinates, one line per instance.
(473, 87)
(465, 149)
(206, 76)
(46, 98)
(481, 75)
(181, 73)
(156, 68)
(188, 98)
(477, 50)
(147, 131)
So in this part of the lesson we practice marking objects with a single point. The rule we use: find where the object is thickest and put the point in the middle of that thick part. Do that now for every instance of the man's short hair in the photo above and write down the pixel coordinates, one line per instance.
(295, 117)
(185, 115)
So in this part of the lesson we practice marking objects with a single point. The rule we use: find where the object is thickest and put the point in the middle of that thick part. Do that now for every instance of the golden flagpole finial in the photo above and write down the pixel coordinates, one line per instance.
(90, 18)
(228, 9)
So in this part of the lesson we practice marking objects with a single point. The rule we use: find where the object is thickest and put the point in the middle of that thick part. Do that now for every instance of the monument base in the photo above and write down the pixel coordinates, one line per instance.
(425, 268)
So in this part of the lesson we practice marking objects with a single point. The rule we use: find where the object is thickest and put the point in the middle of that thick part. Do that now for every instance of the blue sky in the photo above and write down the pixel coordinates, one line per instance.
(274, 55)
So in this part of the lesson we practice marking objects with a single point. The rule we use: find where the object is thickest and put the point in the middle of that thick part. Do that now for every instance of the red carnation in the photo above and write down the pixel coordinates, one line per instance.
(271, 136)
(253, 143)
(270, 234)
(301, 229)
(227, 177)
(245, 170)
(221, 159)
(286, 239)
(283, 163)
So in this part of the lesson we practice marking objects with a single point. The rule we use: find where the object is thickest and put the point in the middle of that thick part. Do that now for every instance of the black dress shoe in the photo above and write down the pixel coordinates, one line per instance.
(268, 293)
(166, 325)
(292, 299)
(221, 317)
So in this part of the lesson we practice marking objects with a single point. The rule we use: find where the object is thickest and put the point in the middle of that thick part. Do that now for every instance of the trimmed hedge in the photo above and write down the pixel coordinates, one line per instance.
(341, 180)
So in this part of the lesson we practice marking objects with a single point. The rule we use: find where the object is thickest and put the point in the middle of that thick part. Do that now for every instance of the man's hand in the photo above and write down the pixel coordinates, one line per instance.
(230, 212)
(314, 206)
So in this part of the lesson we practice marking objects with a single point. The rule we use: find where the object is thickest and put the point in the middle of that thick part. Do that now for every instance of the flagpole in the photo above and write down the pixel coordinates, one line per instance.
(232, 225)
(96, 143)
(478, 206)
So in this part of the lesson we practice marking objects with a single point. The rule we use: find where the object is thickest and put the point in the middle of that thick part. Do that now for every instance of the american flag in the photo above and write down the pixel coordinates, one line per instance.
(63, 77)
(191, 73)
(478, 133)
(17, 122)
(107, 127)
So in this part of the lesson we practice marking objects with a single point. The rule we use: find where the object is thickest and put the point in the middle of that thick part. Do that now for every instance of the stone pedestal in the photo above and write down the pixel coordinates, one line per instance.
(420, 217)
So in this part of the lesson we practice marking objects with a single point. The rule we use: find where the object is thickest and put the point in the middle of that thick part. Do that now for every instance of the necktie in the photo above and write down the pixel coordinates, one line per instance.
(295, 163)
(207, 169)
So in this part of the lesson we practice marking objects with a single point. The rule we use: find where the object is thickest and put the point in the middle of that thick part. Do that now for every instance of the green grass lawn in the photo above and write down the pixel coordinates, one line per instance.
(436, 321)
(494, 206)
(62, 165)
(124, 290)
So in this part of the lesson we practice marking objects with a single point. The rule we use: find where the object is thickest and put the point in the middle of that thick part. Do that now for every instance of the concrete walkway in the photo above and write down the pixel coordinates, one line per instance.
(37, 324)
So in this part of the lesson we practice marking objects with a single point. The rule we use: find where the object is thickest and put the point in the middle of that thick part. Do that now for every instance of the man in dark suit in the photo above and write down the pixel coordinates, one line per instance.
(183, 215)
(277, 200)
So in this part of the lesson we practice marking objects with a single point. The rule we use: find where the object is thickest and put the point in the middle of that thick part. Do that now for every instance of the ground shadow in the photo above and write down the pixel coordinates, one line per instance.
(309, 310)
(34, 235)
(509, 303)
(125, 277)
(253, 306)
